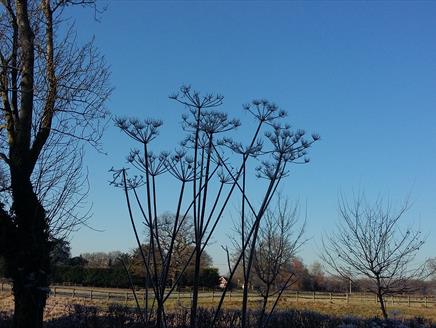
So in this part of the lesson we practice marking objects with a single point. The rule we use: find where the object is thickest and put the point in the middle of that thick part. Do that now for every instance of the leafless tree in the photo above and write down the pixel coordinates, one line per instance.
(101, 259)
(318, 279)
(182, 248)
(204, 166)
(369, 243)
(432, 267)
(52, 99)
(182, 244)
(287, 147)
(279, 238)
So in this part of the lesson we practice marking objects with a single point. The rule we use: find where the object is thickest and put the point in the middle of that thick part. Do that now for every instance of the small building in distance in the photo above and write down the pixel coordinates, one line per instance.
(222, 282)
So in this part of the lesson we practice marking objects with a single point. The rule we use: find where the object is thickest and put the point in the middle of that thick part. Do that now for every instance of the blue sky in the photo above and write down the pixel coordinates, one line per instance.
(361, 74)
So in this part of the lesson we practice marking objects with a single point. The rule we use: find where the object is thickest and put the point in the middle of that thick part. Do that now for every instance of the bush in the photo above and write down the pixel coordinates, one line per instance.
(96, 277)
(117, 278)
(209, 277)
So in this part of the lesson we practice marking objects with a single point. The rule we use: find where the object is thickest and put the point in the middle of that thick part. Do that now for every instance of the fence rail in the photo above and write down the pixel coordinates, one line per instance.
(126, 295)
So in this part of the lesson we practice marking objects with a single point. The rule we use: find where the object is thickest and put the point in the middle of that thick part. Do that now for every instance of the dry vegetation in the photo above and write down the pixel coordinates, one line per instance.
(62, 306)
(335, 308)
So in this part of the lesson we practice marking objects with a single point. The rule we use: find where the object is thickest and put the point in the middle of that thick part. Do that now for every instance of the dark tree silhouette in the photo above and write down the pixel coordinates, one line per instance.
(60, 253)
(52, 95)
(370, 244)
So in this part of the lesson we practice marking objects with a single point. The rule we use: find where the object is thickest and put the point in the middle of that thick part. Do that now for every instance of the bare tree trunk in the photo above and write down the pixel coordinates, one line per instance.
(31, 260)
(264, 305)
(380, 297)
(29, 305)
(382, 304)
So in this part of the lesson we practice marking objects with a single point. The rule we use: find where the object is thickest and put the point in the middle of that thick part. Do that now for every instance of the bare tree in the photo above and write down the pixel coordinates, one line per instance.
(182, 248)
(317, 276)
(204, 166)
(181, 245)
(53, 93)
(371, 244)
(432, 267)
(278, 241)
(101, 259)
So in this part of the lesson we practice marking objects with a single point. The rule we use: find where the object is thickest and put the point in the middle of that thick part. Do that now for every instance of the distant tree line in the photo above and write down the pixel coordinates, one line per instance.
(106, 269)
(114, 277)
(314, 278)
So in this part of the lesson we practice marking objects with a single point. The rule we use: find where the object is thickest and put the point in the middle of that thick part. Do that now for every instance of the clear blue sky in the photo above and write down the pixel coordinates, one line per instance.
(361, 74)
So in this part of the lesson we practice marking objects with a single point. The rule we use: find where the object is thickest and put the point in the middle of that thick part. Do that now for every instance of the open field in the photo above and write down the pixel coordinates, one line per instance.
(212, 296)
(341, 305)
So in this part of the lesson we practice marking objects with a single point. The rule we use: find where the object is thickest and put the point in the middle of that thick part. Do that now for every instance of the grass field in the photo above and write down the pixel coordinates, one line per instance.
(61, 305)
(334, 308)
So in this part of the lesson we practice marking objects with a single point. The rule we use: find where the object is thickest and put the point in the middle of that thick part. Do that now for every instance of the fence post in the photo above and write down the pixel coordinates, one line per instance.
(54, 291)
(296, 296)
(425, 301)
(90, 294)
(313, 296)
(330, 294)
(408, 300)
(108, 296)
(74, 292)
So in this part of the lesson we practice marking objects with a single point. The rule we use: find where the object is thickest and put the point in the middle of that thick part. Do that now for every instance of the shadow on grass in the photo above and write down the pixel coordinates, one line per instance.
(117, 316)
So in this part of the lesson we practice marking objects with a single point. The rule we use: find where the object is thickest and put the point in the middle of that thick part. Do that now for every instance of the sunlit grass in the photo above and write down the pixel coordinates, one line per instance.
(57, 306)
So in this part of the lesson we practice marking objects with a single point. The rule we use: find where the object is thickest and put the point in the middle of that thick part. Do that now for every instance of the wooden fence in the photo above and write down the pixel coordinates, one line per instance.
(211, 295)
